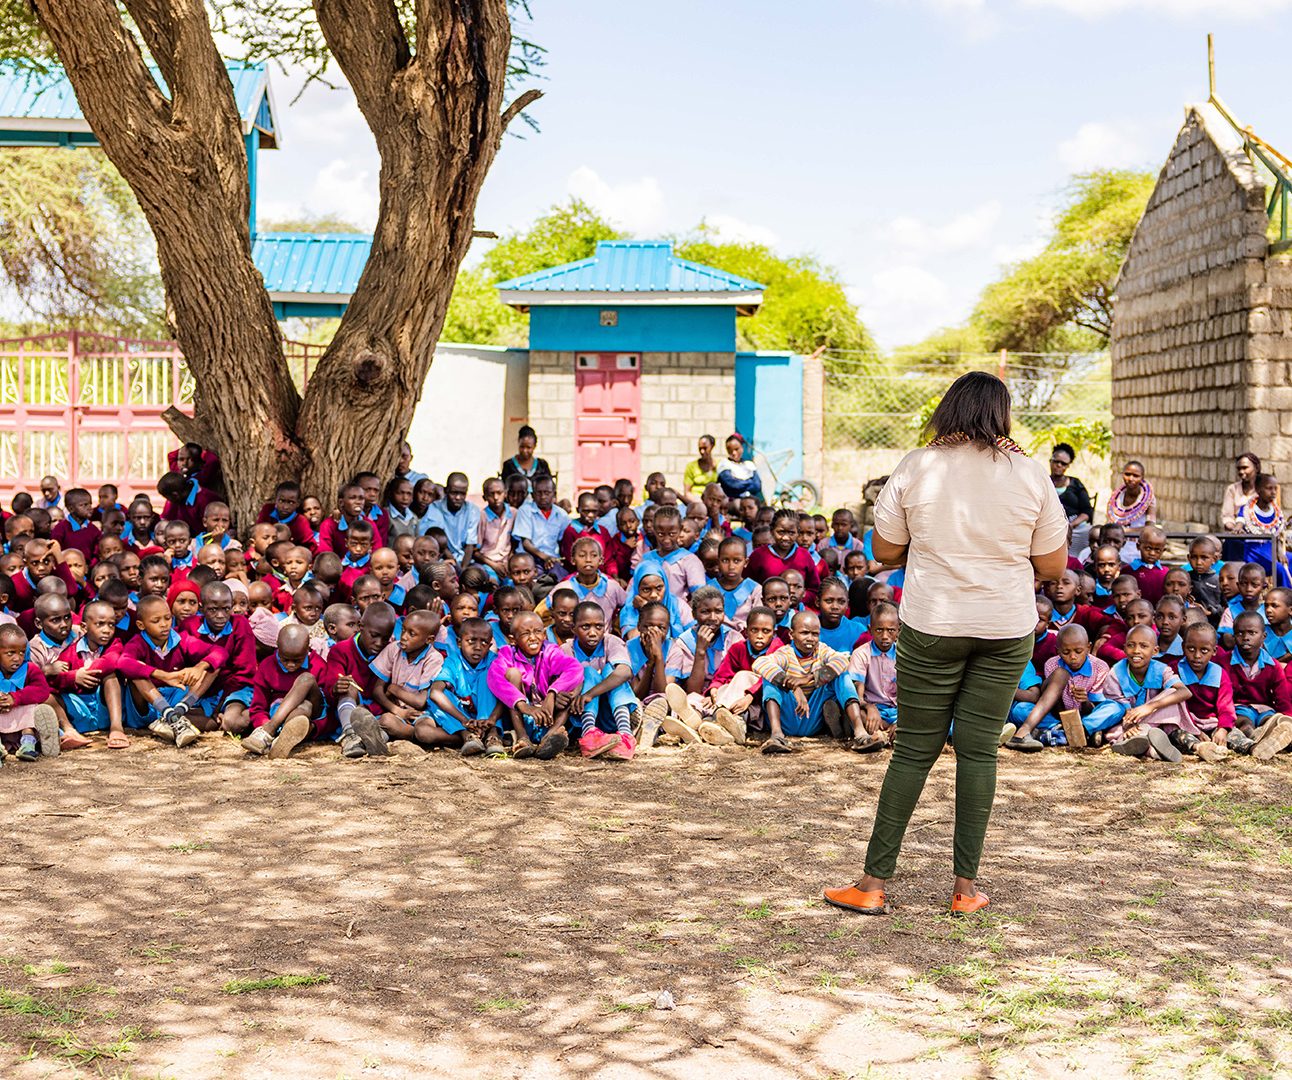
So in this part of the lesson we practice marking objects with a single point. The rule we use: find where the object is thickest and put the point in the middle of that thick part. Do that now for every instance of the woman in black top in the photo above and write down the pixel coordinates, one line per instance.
(1073, 496)
(525, 463)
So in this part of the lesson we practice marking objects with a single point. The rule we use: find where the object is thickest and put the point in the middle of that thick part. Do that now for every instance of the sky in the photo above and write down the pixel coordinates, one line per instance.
(914, 146)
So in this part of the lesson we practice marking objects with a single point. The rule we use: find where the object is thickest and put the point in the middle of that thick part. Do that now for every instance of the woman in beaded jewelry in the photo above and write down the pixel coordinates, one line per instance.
(1132, 505)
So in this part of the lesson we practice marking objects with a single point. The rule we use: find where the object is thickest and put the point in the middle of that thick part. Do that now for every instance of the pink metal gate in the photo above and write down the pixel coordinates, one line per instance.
(87, 408)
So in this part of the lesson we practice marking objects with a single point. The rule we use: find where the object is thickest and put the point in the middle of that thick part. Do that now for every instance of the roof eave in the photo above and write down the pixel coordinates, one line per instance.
(523, 299)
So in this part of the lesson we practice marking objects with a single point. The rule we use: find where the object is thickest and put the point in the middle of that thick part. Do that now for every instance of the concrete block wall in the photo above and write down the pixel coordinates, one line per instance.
(1202, 329)
(684, 395)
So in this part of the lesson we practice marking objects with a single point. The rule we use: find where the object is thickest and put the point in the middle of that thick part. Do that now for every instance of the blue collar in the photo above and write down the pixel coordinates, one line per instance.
(74, 525)
(172, 640)
(1086, 669)
(205, 630)
(599, 589)
(60, 645)
(1211, 675)
(273, 516)
(193, 488)
(305, 665)
(348, 561)
(1140, 564)
(16, 681)
(891, 654)
(1262, 662)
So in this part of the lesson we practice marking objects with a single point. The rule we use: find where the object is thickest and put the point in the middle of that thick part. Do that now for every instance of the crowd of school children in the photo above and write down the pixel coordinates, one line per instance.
(406, 614)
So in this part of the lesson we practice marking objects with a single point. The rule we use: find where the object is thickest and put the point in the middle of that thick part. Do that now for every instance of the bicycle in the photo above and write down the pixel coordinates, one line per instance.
(798, 494)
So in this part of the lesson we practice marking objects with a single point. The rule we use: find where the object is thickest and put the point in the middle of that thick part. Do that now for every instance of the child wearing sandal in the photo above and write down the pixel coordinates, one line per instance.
(1154, 698)
(405, 670)
(605, 705)
(459, 699)
(806, 687)
(1075, 685)
(28, 726)
(536, 683)
(286, 705)
(692, 660)
(873, 667)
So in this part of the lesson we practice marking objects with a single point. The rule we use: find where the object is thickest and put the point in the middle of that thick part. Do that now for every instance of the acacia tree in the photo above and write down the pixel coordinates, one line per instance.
(429, 77)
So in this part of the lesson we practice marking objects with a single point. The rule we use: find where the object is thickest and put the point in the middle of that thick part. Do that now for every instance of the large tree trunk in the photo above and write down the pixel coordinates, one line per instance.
(438, 120)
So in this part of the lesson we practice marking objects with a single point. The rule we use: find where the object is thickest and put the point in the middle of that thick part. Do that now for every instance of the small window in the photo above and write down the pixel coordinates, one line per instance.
(627, 361)
(610, 318)
(585, 362)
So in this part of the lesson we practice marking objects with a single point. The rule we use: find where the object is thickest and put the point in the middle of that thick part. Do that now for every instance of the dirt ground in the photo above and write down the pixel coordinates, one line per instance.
(195, 914)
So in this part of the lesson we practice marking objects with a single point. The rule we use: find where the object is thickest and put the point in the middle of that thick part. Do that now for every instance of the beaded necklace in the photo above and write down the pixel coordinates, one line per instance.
(1118, 512)
(959, 438)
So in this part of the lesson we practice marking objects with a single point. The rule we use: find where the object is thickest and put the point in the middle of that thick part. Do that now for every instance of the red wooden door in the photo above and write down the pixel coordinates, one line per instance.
(607, 413)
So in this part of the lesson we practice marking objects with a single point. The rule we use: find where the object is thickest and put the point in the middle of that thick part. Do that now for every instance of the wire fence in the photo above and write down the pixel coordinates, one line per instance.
(876, 408)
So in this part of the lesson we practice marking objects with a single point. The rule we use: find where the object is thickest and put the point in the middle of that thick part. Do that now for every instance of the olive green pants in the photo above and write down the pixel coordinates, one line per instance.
(941, 679)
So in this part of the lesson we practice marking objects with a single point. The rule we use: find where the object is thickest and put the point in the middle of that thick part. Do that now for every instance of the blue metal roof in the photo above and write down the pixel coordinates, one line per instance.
(42, 103)
(300, 264)
(631, 266)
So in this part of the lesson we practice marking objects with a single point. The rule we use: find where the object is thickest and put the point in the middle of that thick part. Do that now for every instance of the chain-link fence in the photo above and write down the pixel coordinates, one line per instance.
(876, 407)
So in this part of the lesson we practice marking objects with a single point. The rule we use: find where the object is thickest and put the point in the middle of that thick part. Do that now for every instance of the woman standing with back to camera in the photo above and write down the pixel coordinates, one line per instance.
(971, 517)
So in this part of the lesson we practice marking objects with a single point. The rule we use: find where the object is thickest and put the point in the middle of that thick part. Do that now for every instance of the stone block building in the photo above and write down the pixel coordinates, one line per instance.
(632, 356)
(1202, 328)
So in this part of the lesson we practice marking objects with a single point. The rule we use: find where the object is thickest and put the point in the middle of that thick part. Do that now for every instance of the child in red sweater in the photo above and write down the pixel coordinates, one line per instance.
(784, 553)
(287, 704)
(1212, 703)
(1262, 697)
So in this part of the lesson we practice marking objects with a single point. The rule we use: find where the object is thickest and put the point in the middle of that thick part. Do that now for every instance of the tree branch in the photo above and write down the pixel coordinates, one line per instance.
(519, 106)
(155, 20)
(371, 48)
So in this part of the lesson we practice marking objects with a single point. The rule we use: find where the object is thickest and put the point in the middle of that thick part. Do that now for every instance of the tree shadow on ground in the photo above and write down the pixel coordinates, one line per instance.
(516, 919)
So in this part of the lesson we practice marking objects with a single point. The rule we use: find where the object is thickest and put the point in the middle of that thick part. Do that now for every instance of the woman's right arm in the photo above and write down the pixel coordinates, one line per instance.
(1229, 510)
(1050, 566)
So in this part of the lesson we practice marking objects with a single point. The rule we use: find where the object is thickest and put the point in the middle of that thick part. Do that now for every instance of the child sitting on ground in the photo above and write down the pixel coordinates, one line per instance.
(460, 699)
(873, 667)
(1075, 680)
(588, 582)
(605, 705)
(837, 630)
(1250, 597)
(1262, 697)
(1278, 628)
(349, 679)
(651, 588)
(406, 669)
(682, 571)
(647, 658)
(1148, 568)
(739, 594)
(1211, 704)
(736, 692)
(536, 683)
(1169, 621)
(287, 705)
(693, 659)
(806, 687)
(1153, 697)
(1204, 580)
(226, 707)
(28, 725)
(86, 689)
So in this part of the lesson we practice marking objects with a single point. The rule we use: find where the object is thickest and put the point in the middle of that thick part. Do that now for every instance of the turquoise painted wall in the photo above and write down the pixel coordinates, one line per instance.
(769, 405)
(577, 328)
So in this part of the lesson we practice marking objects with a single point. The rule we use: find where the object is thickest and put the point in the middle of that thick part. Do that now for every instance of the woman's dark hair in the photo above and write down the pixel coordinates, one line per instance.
(977, 405)
(859, 597)
(527, 432)
(1064, 448)
(1256, 462)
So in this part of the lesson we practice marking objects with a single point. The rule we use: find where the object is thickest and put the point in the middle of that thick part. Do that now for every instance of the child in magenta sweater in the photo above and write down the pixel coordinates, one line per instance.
(536, 683)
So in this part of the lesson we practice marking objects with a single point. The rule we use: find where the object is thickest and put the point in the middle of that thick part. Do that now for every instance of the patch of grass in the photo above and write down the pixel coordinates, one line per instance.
(500, 1004)
(978, 973)
(629, 1006)
(1139, 916)
(762, 911)
(755, 968)
(69, 1046)
(274, 982)
(49, 967)
(1154, 897)
(160, 954)
(828, 980)
(190, 846)
(29, 1005)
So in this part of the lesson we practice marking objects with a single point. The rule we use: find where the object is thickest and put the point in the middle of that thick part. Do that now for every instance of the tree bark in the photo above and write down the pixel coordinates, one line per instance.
(437, 116)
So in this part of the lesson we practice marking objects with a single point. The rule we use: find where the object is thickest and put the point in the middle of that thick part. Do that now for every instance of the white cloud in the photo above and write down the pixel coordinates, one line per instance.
(345, 189)
(734, 230)
(1098, 145)
(904, 303)
(635, 205)
(915, 236)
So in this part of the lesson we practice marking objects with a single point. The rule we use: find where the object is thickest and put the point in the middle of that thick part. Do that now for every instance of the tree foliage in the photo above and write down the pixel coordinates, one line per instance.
(1061, 299)
(73, 243)
(804, 304)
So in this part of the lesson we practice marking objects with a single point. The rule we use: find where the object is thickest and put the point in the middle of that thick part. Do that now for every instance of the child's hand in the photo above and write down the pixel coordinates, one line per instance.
(638, 602)
(1220, 736)
(1081, 697)
(189, 677)
(58, 667)
(345, 684)
(705, 636)
(576, 706)
(801, 701)
(87, 678)
(6, 702)
(1135, 715)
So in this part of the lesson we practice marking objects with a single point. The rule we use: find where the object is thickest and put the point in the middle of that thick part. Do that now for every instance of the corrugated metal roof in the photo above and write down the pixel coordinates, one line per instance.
(321, 263)
(29, 95)
(619, 266)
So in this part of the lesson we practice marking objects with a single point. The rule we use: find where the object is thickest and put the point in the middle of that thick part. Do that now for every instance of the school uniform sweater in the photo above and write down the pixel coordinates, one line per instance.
(1213, 695)
(142, 656)
(1151, 578)
(81, 536)
(271, 684)
(239, 644)
(302, 532)
(81, 654)
(550, 671)
(347, 658)
(765, 563)
(1262, 685)
(741, 657)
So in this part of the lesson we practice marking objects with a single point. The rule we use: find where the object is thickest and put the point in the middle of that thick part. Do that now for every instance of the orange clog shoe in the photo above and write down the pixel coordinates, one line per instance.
(853, 899)
(967, 905)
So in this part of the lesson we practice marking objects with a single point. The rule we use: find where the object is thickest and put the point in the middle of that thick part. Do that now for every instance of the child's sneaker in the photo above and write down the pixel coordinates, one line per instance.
(1132, 746)
(162, 729)
(27, 749)
(652, 717)
(1240, 742)
(680, 704)
(351, 745)
(494, 747)
(1269, 743)
(554, 742)
(365, 725)
(258, 742)
(1073, 729)
(594, 742)
(47, 733)
(185, 733)
(1209, 751)
(1007, 732)
(473, 747)
(673, 726)
(1161, 743)
(731, 723)
(293, 733)
(713, 734)
(625, 750)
